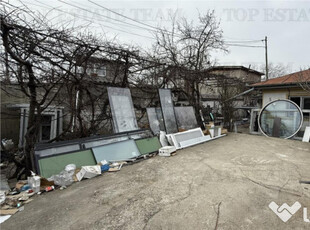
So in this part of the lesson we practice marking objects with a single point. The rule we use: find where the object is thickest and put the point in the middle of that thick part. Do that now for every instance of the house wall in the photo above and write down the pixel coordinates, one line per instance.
(241, 74)
(211, 90)
(275, 94)
(286, 93)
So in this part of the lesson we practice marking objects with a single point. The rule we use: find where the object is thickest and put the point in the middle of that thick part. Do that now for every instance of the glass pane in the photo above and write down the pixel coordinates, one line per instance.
(168, 110)
(186, 117)
(46, 133)
(123, 113)
(57, 150)
(155, 118)
(296, 100)
(119, 151)
(160, 119)
(53, 165)
(46, 128)
(306, 103)
(281, 118)
(153, 121)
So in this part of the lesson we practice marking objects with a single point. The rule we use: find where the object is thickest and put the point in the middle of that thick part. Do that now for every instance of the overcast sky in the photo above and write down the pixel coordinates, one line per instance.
(285, 23)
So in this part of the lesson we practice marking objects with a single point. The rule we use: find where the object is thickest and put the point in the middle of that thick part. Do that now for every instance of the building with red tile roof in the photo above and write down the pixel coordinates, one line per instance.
(290, 80)
(294, 87)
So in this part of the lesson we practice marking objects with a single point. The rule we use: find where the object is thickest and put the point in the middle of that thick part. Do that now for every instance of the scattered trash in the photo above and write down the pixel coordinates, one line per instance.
(4, 186)
(116, 166)
(105, 168)
(25, 187)
(2, 197)
(4, 218)
(49, 188)
(34, 182)
(28, 201)
(14, 192)
(20, 184)
(23, 198)
(44, 182)
(88, 172)
(104, 162)
(8, 211)
(65, 177)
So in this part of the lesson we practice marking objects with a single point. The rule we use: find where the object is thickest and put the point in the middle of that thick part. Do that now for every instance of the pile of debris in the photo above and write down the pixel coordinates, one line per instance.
(14, 199)
(58, 165)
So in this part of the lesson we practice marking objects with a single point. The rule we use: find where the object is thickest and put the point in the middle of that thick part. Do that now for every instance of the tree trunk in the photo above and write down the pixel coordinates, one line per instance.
(32, 129)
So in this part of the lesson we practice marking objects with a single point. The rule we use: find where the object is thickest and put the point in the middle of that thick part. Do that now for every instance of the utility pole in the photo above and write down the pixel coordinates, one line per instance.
(266, 56)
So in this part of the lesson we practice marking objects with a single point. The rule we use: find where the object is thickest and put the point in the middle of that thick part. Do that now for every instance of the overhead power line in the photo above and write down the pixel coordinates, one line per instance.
(242, 43)
(154, 29)
(239, 45)
(101, 15)
(44, 5)
(124, 16)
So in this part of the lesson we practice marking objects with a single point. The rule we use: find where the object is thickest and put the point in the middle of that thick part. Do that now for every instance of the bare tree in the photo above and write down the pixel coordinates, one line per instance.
(51, 66)
(186, 51)
(229, 88)
(42, 59)
(304, 79)
(274, 69)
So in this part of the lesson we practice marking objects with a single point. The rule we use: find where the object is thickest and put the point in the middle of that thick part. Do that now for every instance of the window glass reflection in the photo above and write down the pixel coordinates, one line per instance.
(280, 118)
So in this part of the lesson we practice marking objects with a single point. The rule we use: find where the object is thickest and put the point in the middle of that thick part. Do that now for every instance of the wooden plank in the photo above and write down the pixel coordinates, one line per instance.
(8, 211)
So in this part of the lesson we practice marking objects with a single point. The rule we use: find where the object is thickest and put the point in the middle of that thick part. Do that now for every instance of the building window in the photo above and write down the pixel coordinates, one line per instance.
(302, 102)
(97, 70)
(296, 100)
(51, 123)
(306, 104)
(46, 127)
(101, 71)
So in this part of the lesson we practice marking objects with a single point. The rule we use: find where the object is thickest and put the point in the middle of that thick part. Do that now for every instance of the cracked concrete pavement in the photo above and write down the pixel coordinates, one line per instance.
(225, 184)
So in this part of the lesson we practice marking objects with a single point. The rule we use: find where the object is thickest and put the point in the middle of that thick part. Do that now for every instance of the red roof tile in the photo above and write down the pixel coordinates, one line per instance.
(293, 78)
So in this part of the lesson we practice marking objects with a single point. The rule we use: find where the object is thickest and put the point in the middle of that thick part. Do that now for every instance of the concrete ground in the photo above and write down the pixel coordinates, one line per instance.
(223, 184)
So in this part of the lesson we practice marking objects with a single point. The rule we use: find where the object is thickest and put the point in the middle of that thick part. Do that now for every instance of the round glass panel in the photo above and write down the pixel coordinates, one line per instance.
(280, 118)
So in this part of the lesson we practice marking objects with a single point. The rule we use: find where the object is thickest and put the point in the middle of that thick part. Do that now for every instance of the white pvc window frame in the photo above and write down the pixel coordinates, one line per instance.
(287, 100)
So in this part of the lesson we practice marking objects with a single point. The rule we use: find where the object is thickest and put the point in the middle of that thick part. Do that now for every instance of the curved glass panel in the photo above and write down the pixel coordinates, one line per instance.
(281, 118)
